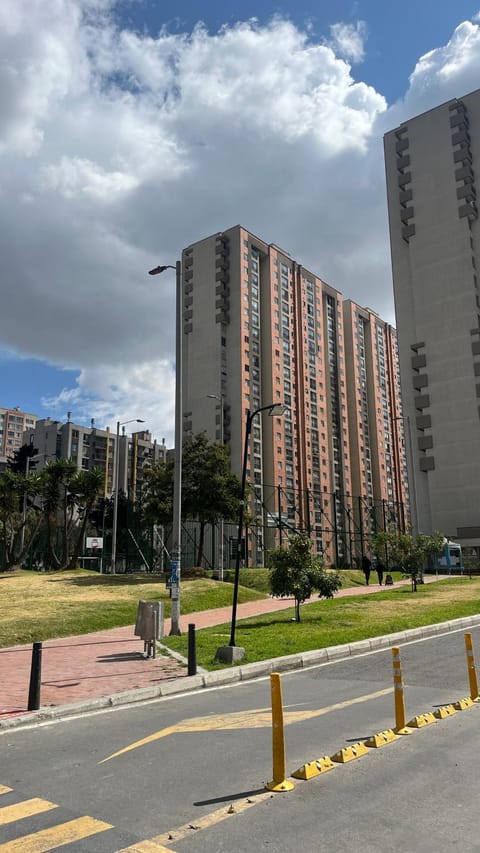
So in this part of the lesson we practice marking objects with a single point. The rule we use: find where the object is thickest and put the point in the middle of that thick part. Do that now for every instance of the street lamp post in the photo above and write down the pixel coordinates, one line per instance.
(231, 653)
(220, 553)
(115, 493)
(176, 550)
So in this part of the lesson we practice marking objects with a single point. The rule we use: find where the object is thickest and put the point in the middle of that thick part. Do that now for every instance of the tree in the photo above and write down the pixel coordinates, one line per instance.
(409, 553)
(297, 572)
(18, 526)
(209, 489)
(158, 493)
(58, 509)
(10, 514)
(18, 463)
(85, 487)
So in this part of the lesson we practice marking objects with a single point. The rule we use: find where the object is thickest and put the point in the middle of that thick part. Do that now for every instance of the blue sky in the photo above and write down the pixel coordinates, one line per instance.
(126, 133)
(397, 34)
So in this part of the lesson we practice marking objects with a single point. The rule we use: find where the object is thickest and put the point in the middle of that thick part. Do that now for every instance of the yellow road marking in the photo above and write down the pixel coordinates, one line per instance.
(4, 789)
(254, 719)
(55, 836)
(190, 829)
(146, 847)
(28, 808)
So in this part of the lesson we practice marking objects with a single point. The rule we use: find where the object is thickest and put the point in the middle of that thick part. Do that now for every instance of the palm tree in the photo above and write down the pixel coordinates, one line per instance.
(15, 489)
(85, 489)
(57, 503)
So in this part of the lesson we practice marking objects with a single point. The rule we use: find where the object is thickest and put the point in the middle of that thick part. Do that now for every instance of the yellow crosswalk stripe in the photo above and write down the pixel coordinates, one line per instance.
(28, 808)
(4, 789)
(146, 847)
(55, 836)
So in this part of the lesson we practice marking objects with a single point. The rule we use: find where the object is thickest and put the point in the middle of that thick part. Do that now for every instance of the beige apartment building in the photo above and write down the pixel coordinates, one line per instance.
(259, 328)
(435, 240)
(90, 447)
(378, 450)
(13, 424)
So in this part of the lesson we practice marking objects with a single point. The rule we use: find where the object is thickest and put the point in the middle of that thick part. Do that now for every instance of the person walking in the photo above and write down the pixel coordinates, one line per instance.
(380, 568)
(366, 568)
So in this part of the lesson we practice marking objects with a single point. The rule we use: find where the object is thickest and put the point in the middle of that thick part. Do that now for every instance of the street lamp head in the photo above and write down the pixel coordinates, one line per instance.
(131, 421)
(160, 269)
(277, 409)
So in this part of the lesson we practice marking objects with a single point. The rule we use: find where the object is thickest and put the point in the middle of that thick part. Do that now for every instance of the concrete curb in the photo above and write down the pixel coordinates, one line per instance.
(235, 674)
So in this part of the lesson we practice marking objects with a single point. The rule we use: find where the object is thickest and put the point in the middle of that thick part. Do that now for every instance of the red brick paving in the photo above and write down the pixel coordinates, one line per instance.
(92, 666)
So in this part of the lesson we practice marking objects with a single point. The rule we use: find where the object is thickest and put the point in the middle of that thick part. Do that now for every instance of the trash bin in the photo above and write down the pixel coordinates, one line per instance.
(149, 625)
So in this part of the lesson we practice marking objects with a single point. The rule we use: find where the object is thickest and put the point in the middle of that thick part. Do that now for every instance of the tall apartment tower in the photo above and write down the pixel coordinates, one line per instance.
(259, 328)
(377, 439)
(435, 242)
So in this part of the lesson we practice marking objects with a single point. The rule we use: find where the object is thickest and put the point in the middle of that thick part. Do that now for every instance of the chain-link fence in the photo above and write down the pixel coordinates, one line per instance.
(341, 527)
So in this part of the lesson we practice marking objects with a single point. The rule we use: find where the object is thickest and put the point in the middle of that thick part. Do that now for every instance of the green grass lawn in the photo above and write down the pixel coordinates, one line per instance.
(42, 606)
(338, 621)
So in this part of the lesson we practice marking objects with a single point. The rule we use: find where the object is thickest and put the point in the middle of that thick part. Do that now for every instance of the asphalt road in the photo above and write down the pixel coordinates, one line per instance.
(206, 754)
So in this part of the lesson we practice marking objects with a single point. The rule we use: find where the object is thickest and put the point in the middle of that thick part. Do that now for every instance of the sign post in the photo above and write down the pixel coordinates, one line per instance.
(174, 580)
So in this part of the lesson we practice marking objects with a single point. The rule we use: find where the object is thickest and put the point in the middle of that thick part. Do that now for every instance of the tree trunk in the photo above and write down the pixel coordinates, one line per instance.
(28, 544)
(78, 544)
(201, 541)
(5, 550)
(64, 557)
(54, 561)
(297, 610)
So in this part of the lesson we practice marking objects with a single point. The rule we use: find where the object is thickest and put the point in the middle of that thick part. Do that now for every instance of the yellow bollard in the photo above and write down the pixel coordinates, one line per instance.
(472, 671)
(401, 727)
(279, 781)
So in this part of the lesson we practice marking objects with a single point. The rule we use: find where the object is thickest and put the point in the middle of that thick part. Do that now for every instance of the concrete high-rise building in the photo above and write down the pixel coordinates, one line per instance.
(259, 328)
(378, 451)
(90, 447)
(13, 423)
(435, 242)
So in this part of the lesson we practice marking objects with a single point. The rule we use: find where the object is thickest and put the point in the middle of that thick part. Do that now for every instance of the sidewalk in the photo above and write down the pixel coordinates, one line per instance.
(91, 666)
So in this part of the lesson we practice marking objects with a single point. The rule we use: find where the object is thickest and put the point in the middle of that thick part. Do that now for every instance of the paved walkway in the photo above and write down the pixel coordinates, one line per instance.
(91, 666)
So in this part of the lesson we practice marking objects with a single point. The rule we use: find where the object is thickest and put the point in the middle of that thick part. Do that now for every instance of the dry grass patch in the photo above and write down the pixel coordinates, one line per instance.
(38, 606)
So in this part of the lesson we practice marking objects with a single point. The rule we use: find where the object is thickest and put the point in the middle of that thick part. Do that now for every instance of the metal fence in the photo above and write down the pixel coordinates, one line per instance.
(342, 528)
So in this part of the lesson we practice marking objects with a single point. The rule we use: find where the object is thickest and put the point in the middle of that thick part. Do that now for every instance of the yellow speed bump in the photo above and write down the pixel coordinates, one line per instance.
(444, 711)
(463, 704)
(314, 768)
(381, 739)
(349, 753)
(422, 720)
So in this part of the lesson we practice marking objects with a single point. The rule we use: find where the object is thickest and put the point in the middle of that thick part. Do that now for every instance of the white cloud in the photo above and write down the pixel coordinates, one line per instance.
(110, 394)
(348, 40)
(75, 175)
(454, 67)
(117, 149)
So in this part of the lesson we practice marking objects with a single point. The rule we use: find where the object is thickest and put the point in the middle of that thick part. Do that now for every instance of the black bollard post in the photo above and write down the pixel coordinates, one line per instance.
(35, 678)
(192, 651)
